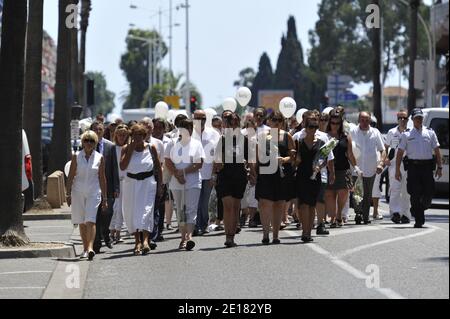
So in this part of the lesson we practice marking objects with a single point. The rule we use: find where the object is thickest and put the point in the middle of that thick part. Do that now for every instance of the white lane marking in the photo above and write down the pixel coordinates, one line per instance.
(387, 292)
(337, 231)
(387, 241)
(25, 272)
(46, 234)
(6, 288)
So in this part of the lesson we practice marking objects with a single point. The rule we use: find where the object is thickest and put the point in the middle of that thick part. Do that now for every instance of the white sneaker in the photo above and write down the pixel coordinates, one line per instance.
(84, 255)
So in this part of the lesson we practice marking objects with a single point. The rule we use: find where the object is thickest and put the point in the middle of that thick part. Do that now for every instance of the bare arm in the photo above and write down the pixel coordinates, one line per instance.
(292, 151)
(331, 170)
(437, 152)
(125, 157)
(398, 162)
(157, 164)
(72, 174)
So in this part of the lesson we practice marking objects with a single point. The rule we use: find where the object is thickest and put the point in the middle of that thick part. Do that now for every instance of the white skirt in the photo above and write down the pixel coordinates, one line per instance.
(138, 201)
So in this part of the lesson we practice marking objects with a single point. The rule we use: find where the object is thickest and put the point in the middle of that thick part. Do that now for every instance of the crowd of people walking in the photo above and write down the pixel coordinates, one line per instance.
(266, 169)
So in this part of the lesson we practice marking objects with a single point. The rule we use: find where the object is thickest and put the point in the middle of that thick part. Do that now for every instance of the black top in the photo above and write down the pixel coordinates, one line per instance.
(238, 153)
(340, 154)
(305, 169)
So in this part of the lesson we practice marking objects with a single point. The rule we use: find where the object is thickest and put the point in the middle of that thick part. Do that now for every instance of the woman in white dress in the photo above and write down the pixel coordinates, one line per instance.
(140, 186)
(86, 189)
(121, 136)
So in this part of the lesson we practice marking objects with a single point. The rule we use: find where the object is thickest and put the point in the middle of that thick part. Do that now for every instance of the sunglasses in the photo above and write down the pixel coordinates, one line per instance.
(335, 123)
(402, 118)
(323, 120)
(277, 120)
(89, 141)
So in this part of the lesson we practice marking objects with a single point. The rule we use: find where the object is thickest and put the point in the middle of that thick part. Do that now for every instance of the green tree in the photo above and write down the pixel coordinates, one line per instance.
(33, 92)
(263, 79)
(290, 73)
(170, 86)
(134, 64)
(341, 40)
(104, 99)
(12, 69)
(246, 78)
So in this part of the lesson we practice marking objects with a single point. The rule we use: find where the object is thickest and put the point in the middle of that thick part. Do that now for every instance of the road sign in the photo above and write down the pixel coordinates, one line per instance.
(270, 99)
(339, 82)
(444, 100)
(173, 101)
(348, 97)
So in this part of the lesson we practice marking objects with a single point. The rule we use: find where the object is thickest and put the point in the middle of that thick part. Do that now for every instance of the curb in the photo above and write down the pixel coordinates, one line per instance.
(33, 217)
(64, 252)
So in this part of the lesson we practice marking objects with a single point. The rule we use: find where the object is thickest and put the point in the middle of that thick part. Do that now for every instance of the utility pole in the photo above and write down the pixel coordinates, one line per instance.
(414, 4)
(188, 81)
(158, 61)
(170, 36)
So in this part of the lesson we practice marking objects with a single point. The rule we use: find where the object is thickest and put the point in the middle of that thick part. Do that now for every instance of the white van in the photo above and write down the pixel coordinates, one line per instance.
(437, 119)
(27, 174)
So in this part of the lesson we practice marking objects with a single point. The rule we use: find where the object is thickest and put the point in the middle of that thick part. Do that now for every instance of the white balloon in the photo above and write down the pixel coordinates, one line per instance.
(243, 96)
(161, 110)
(300, 115)
(229, 104)
(328, 110)
(210, 113)
(67, 168)
(288, 106)
(171, 115)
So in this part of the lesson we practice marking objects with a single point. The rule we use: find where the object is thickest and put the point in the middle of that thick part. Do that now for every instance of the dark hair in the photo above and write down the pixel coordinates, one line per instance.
(131, 123)
(335, 114)
(162, 122)
(277, 116)
(96, 123)
(232, 119)
(179, 119)
(187, 124)
(216, 118)
(260, 109)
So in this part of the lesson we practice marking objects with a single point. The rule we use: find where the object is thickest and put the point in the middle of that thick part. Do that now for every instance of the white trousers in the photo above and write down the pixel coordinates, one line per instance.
(398, 194)
(187, 205)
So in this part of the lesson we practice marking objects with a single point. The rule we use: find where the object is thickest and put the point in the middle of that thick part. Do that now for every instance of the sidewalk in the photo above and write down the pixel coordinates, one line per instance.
(62, 213)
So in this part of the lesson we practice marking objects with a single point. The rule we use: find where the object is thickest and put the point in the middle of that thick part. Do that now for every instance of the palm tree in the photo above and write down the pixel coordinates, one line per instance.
(60, 147)
(12, 69)
(376, 44)
(33, 94)
(84, 23)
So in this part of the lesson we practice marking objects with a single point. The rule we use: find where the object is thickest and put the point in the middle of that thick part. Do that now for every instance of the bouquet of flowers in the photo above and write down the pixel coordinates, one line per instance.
(322, 156)
(358, 191)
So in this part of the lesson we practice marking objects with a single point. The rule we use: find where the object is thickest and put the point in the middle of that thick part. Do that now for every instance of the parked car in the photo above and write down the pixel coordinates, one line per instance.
(27, 175)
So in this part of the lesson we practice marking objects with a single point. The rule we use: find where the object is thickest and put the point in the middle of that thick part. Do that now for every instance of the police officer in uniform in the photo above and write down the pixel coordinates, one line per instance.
(419, 144)
(398, 194)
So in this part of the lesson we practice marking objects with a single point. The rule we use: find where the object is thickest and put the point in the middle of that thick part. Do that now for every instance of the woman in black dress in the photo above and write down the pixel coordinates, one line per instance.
(343, 156)
(307, 188)
(273, 190)
(230, 172)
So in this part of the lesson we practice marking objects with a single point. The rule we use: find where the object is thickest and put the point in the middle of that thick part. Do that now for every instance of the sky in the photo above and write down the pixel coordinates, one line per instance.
(225, 37)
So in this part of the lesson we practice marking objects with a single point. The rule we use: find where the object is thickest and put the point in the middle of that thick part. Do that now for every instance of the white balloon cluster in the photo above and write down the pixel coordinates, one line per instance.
(243, 96)
(229, 104)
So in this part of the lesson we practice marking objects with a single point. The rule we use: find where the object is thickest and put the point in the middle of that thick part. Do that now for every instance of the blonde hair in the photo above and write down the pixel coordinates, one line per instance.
(91, 135)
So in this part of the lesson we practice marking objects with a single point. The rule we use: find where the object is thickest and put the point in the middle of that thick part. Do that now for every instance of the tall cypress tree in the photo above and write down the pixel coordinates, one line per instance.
(290, 73)
(263, 79)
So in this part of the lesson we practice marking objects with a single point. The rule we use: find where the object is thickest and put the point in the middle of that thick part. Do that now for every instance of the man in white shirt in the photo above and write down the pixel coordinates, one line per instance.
(369, 141)
(209, 138)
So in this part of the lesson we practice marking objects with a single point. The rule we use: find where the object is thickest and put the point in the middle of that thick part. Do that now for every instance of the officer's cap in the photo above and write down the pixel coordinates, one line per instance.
(417, 113)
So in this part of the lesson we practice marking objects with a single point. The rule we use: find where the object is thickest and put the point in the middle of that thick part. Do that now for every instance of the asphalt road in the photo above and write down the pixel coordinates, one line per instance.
(381, 260)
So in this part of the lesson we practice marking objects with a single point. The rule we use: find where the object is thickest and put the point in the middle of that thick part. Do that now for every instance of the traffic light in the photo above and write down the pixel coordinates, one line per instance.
(90, 92)
(194, 104)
